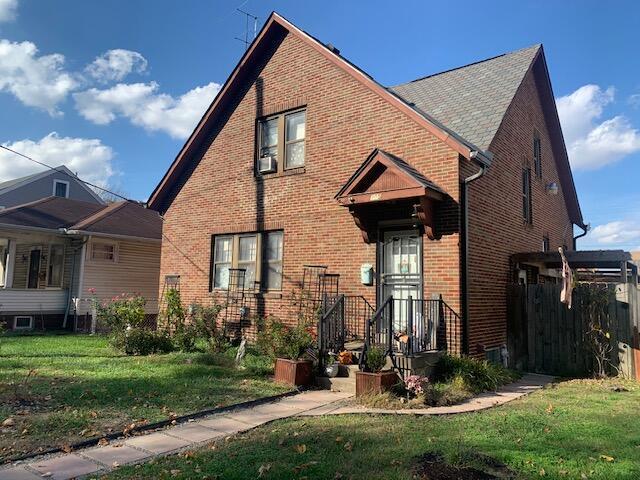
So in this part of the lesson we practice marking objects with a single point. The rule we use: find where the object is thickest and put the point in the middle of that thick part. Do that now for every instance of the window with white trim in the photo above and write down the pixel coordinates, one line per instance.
(22, 322)
(55, 266)
(104, 252)
(258, 254)
(61, 188)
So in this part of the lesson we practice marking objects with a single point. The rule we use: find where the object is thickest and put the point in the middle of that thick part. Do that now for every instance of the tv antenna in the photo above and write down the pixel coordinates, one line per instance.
(246, 28)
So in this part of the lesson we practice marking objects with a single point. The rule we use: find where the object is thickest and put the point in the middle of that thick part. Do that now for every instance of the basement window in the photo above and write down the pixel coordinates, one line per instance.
(281, 142)
(22, 322)
(258, 254)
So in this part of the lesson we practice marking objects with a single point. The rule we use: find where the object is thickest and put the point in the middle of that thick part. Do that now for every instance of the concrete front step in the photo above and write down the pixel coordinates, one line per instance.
(338, 384)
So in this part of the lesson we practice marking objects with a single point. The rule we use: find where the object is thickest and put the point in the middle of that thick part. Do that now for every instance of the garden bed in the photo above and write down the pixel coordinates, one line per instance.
(62, 389)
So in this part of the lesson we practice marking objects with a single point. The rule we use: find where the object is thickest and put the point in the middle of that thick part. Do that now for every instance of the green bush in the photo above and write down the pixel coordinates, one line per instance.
(443, 394)
(205, 321)
(375, 360)
(122, 311)
(139, 341)
(185, 338)
(277, 340)
(478, 375)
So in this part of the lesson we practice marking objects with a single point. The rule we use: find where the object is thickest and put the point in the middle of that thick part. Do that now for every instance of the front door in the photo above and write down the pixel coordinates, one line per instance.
(34, 268)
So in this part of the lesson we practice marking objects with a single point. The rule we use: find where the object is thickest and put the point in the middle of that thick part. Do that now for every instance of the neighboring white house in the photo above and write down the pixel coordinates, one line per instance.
(59, 182)
(57, 254)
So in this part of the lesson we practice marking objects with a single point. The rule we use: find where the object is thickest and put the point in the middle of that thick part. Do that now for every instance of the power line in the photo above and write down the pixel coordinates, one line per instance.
(75, 177)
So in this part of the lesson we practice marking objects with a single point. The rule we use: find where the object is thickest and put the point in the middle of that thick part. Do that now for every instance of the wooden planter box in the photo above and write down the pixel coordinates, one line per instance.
(373, 383)
(294, 372)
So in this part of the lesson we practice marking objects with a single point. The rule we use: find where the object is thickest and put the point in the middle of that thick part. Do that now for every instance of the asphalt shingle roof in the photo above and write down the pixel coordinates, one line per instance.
(471, 100)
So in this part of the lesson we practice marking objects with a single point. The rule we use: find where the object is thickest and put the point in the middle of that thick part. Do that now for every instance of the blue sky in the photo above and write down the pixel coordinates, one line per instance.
(113, 88)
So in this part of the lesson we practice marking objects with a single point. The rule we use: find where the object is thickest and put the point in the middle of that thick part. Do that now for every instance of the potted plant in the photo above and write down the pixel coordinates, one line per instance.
(289, 346)
(331, 365)
(375, 380)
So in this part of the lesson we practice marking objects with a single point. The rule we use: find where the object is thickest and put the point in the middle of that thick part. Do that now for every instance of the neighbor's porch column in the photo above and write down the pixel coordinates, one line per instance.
(11, 261)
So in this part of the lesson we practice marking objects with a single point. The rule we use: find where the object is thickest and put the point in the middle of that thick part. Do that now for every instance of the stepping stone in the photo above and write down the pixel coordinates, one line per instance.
(18, 473)
(224, 425)
(115, 454)
(65, 467)
(157, 443)
(194, 432)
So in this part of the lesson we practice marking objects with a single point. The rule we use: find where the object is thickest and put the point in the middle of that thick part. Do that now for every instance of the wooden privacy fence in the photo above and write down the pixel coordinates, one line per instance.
(545, 336)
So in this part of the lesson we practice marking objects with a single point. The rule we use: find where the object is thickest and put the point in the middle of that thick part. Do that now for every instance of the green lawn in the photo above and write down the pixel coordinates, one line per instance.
(80, 388)
(573, 430)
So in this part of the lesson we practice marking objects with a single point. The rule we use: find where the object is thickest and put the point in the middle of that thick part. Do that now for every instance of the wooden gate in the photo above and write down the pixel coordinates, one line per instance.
(545, 336)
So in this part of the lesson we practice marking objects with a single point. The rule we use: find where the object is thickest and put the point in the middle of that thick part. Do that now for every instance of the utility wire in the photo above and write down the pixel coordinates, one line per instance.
(75, 177)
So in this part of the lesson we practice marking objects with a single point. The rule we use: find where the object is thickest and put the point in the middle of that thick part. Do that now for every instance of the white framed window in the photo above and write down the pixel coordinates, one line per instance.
(258, 254)
(281, 141)
(61, 188)
(22, 322)
(55, 265)
(104, 252)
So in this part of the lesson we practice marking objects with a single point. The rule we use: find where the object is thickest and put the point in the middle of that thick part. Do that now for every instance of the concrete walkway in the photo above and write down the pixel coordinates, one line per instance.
(99, 460)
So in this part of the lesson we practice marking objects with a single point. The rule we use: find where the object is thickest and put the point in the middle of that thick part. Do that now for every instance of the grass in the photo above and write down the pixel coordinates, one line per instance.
(571, 430)
(80, 388)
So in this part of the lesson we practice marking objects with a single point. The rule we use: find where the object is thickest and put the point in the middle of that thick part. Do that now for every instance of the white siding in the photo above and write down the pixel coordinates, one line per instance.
(32, 301)
(137, 270)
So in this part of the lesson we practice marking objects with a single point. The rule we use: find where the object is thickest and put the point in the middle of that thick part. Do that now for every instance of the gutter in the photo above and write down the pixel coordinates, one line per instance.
(481, 160)
(585, 230)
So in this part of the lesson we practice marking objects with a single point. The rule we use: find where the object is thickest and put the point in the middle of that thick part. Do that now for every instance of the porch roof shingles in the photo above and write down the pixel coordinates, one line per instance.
(471, 100)
(55, 213)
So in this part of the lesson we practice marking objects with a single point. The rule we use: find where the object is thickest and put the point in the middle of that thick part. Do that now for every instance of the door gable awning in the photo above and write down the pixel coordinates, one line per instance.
(385, 177)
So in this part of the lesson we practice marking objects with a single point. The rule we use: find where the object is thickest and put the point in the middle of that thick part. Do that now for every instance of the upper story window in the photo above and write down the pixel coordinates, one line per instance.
(258, 254)
(61, 188)
(537, 154)
(545, 244)
(281, 142)
(527, 213)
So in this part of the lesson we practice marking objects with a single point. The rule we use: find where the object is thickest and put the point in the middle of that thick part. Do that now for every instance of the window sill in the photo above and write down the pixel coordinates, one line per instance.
(284, 173)
(274, 294)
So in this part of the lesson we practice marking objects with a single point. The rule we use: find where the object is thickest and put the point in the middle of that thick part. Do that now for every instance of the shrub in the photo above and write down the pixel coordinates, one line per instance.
(138, 341)
(416, 384)
(277, 340)
(185, 338)
(205, 321)
(122, 311)
(477, 375)
(375, 360)
(444, 394)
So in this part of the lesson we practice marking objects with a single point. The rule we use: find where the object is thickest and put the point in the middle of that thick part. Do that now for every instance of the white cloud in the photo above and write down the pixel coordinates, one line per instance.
(89, 158)
(8, 10)
(634, 100)
(37, 81)
(114, 65)
(144, 106)
(621, 233)
(592, 143)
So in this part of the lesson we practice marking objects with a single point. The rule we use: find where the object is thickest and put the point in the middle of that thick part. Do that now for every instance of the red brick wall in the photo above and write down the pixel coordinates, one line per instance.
(496, 226)
(345, 122)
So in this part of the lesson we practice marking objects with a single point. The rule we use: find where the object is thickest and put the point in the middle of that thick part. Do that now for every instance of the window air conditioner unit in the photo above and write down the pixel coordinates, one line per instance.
(267, 164)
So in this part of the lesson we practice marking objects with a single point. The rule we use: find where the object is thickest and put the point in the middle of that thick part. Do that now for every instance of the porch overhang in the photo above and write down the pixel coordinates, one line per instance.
(384, 178)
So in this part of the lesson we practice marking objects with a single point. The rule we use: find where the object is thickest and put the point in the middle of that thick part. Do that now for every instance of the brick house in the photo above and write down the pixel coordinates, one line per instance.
(304, 159)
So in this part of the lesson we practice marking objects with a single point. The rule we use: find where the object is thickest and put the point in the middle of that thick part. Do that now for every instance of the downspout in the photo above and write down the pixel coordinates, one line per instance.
(585, 230)
(464, 281)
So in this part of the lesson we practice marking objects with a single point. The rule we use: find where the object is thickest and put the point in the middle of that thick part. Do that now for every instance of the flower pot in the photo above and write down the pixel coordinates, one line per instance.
(374, 383)
(332, 370)
(294, 372)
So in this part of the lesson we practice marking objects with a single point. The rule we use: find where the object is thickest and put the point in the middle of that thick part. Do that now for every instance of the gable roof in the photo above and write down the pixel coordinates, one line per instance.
(10, 185)
(63, 215)
(472, 100)
(274, 26)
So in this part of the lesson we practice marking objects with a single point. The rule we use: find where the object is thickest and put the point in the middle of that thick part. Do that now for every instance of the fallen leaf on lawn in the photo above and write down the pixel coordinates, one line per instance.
(302, 448)
(115, 464)
(263, 469)
(298, 468)
(175, 472)
(103, 441)
(396, 463)
(549, 408)
(547, 429)
(66, 448)
(46, 475)
(338, 439)
(348, 446)
(9, 422)
(542, 472)
(94, 414)
(83, 432)
(563, 472)
(607, 458)
(338, 476)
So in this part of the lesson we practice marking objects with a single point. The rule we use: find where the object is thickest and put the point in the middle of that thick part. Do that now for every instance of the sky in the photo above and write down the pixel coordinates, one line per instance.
(113, 89)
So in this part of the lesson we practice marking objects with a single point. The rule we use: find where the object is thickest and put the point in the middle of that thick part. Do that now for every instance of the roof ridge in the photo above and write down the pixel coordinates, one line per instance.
(28, 204)
(537, 45)
(99, 215)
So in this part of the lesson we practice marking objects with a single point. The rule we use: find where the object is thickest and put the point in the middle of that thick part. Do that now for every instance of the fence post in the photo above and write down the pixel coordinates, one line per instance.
(390, 332)
(410, 326)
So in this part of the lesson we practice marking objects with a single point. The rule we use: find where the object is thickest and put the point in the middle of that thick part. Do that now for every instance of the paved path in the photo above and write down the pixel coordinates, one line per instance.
(99, 460)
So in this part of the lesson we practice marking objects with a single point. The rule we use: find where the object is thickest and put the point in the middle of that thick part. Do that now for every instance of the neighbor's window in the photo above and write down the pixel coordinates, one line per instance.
(545, 244)
(61, 188)
(537, 155)
(22, 323)
(104, 252)
(281, 142)
(55, 268)
(258, 254)
(526, 196)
